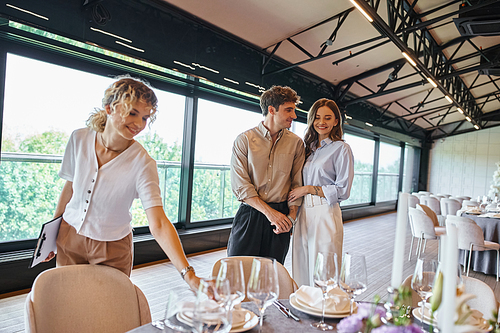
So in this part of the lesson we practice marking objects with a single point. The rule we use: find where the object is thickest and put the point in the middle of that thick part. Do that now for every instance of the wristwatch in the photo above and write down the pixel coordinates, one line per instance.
(294, 221)
(185, 270)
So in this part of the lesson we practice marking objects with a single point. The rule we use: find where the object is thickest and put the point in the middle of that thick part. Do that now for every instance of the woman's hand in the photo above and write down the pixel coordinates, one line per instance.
(192, 280)
(298, 192)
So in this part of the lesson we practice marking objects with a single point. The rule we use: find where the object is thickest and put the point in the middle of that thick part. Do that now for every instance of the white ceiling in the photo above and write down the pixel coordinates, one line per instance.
(264, 23)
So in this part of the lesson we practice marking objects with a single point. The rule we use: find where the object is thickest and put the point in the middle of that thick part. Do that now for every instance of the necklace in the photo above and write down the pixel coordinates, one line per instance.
(115, 151)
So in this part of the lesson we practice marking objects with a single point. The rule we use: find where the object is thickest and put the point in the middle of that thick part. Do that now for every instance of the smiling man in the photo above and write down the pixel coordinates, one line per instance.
(266, 164)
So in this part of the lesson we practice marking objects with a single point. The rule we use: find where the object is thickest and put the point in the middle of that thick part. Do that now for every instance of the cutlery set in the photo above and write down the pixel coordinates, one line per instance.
(285, 311)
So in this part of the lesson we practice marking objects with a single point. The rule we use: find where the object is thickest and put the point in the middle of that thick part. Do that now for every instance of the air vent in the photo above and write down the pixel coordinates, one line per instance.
(483, 21)
(493, 56)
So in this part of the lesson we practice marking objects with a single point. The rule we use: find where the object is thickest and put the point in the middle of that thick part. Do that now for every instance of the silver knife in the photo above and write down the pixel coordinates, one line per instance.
(281, 310)
(287, 310)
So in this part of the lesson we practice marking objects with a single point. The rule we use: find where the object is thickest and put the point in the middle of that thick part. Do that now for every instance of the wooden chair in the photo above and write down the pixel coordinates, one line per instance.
(85, 298)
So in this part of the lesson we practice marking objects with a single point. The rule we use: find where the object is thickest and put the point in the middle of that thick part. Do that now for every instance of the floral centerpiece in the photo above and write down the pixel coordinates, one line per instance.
(374, 318)
(495, 184)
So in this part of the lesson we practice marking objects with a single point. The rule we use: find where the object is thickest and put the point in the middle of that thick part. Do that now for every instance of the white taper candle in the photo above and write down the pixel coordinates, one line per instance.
(399, 243)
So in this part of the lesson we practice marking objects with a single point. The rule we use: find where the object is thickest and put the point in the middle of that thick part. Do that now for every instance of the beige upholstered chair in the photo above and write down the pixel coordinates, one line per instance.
(443, 195)
(429, 212)
(423, 228)
(85, 298)
(413, 200)
(459, 199)
(432, 203)
(465, 197)
(286, 283)
(425, 193)
(471, 238)
(449, 206)
(485, 300)
(439, 197)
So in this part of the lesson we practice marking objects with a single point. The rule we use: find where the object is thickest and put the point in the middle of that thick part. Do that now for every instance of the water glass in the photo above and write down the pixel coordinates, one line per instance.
(422, 282)
(211, 313)
(353, 278)
(263, 286)
(231, 269)
(325, 276)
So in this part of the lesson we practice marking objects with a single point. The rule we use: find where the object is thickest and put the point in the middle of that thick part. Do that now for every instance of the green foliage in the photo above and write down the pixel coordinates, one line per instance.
(29, 191)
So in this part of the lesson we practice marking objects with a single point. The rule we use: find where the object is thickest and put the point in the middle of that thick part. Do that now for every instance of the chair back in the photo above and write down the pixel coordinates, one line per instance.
(485, 300)
(432, 203)
(425, 193)
(449, 206)
(468, 232)
(469, 203)
(429, 212)
(286, 284)
(422, 224)
(413, 200)
(444, 195)
(418, 195)
(457, 198)
(439, 197)
(85, 298)
(465, 197)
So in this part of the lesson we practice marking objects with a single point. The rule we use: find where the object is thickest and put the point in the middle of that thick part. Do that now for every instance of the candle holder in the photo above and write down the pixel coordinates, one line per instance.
(397, 312)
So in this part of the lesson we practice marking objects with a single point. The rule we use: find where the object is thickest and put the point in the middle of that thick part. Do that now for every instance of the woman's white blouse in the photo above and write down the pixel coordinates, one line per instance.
(102, 197)
(330, 166)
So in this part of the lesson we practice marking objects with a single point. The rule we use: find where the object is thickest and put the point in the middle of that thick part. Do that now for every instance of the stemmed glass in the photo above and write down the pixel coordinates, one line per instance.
(353, 276)
(231, 269)
(263, 287)
(422, 281)
(325, 276)
(211, 312)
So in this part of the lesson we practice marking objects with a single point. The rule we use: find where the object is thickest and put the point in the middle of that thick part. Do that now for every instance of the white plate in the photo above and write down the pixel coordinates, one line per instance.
(485, 327)
(307, 306)
(313, 312)
(250, 321)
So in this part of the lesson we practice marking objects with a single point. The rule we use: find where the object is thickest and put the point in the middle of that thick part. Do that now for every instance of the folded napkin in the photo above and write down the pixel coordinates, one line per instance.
(337, 300)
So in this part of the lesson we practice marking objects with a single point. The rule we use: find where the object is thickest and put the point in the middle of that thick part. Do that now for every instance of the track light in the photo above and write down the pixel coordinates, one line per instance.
(460, 110)
(431, 81)
(410, 60)
(476, 127)
(468, 119)
(448, 98)
(365, 14)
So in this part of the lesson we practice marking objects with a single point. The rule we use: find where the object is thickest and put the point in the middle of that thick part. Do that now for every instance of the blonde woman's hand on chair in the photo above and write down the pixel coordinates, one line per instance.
(50, 256)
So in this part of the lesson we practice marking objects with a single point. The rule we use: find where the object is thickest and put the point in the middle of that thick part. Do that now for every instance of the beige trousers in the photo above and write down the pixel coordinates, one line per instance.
(74, 249)
(319, 228)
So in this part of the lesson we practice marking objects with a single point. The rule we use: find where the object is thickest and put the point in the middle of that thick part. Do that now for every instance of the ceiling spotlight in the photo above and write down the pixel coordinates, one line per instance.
(348, 117)
(448, 98)
(460, 110)
(476, 127)
(468, 119)
(368, 124)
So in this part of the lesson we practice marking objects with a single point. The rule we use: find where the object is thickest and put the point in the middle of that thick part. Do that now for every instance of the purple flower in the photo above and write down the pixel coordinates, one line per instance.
(351, 324)
(397, 329)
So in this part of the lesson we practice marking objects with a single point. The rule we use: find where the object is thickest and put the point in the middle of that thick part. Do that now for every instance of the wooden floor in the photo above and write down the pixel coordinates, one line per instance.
(373, 237)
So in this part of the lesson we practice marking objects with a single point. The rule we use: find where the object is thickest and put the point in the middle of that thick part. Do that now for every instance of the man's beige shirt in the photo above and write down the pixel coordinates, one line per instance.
(261, 168)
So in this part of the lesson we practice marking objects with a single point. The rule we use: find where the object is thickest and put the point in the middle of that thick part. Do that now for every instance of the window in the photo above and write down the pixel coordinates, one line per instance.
(217, 127)
(43, 104)
(388, 172)
(363, 151)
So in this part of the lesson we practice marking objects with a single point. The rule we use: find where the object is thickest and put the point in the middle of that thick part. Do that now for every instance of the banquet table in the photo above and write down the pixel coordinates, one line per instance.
(484, 261)
(274, 321)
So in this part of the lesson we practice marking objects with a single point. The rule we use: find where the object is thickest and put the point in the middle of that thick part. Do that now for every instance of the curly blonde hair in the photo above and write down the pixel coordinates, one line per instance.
(125, 91)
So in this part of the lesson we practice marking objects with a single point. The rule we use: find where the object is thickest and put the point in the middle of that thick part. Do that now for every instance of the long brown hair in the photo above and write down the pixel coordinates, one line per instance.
(311, 134)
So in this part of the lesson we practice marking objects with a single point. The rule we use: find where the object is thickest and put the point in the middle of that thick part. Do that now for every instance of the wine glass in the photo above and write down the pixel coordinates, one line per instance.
(422, 282)
(263, 287)
(211, 312)
(232, 270)
(353, 279)
(326, 275)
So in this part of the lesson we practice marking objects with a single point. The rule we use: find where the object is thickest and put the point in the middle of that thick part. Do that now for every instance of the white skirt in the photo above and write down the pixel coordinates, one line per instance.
(319, 228)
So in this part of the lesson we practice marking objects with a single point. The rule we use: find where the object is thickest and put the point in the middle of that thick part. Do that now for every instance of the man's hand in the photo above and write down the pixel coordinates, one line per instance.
(280, 221)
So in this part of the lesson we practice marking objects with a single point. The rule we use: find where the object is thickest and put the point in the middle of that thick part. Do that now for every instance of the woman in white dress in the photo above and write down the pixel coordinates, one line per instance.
(328, 174)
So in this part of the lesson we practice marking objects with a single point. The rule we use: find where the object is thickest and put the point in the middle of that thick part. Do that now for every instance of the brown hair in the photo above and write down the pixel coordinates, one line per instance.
(311, 134)
(126, 91)
(275, 96)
